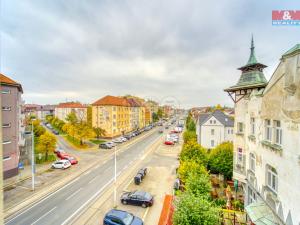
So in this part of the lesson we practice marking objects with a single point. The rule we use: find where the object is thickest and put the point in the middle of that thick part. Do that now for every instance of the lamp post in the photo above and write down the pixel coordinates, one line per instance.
(32, 157)
(115, 179)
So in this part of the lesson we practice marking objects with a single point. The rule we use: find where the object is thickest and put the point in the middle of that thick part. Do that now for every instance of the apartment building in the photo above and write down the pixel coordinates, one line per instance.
(134, 113)
(62, 110)
(39, 111)
(267, 139)
(112, 114)
(12, 125)
(214, 128)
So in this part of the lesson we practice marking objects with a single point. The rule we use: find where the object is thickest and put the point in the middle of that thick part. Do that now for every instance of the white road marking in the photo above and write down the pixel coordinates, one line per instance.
(92, 180)
(145, 214)
(73, 194)
(87, 202)
(43, 215)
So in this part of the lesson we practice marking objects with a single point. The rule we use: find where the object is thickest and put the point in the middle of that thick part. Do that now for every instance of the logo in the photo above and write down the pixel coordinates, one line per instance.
(286, 17)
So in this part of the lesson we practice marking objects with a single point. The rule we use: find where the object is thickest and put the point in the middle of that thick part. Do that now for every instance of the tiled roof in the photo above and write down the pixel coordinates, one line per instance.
(112, 100)
(133, 102)
(6, 80)
(70, 105)
(219, 115)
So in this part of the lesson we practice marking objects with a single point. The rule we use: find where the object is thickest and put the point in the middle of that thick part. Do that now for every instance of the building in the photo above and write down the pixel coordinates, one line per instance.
(267, 139)
(112, 114)
(39, 111)
(12, 125)
(134, 113)
(214, 128)
(62, 110)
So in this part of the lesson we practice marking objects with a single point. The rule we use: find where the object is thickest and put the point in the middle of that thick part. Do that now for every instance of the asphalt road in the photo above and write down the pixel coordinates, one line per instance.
(61, 206)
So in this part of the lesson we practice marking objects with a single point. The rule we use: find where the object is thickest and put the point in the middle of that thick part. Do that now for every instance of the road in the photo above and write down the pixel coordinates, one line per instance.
(61, 206)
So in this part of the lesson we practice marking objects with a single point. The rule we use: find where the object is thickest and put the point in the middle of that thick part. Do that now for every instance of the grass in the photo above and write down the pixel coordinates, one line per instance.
(74, 141)
(97, 141)
(51, 158)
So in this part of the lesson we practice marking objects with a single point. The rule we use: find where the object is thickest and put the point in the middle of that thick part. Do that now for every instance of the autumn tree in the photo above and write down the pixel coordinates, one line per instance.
(72, 118)
(187, 168)
(99, 132)
(192, 151)
(46, 143)
(83, 131)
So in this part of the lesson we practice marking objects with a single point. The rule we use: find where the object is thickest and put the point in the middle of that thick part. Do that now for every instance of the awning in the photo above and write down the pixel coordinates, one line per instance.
(261, 214)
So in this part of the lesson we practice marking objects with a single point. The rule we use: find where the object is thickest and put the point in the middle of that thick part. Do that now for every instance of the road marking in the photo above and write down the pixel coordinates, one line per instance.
(145, 214)
(44, 215)
(86, 173)
(87, 202)
(73, 194)
(92, 180)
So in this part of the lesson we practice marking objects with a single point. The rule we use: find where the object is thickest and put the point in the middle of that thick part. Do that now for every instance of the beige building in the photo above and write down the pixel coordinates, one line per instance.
(62, 110)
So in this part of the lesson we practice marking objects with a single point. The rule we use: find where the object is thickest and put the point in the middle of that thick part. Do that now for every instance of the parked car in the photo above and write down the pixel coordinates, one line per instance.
(166, 127)
(105, 146)
(124, 139)
(63, 155)
(111, 143)
(128, 136)
(143, 172)
(57, 150)
(61, 164)
(72, 160)
(138, 179)
(55, 132)
(120, 217)
(160, 131)
(118, 140)
(139, 198)
(169, 142)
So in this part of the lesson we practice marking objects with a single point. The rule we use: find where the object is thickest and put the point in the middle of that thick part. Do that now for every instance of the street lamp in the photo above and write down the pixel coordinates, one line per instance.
(32, 156)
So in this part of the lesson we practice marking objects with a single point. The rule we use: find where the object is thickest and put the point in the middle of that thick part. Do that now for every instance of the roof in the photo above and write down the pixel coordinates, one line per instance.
(70, 105)
(111, 100)
(219, 115)
(261, 214)
(7, 81)
(292, 51)
(133, 102)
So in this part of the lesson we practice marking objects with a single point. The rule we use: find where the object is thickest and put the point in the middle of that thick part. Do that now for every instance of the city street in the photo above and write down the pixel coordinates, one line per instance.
(62, 205)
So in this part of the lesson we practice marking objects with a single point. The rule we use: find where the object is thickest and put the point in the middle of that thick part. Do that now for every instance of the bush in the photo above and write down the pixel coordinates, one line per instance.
(189, 136)
(192, 151)
(221, 159)
(187, 168)
(198, 185)
(193, 210)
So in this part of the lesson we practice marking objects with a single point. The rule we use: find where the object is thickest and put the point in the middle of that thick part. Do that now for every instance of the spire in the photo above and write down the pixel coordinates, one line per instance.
(252, 58)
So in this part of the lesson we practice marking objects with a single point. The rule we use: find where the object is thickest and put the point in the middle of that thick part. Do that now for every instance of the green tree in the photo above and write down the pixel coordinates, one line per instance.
(89, 116)
(99, 132)
(193, 210)
(198, 185)
(83, 132)
(221, 159)
(187, 168)
(160, 113)
(46, 143)
(155, 117)
(192, 151)
(72, 118)
(189, 136)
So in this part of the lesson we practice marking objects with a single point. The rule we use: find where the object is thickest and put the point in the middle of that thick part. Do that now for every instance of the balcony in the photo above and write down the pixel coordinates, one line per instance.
(271, 146)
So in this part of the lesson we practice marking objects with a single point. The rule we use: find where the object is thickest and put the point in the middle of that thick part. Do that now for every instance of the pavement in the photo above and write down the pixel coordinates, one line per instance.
(161, 161)
(60, 205)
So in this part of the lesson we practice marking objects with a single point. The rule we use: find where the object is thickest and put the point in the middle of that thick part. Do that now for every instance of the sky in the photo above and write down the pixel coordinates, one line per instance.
(182, 51)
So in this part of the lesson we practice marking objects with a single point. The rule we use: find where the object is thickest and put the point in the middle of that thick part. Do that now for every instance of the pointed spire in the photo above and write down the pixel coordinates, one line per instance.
(252, 58)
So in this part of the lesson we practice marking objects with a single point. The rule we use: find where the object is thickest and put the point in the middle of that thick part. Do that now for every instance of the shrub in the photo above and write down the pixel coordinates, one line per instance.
(192, 151)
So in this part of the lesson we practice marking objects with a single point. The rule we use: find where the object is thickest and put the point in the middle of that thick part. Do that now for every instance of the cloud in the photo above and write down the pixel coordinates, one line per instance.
(186, 49)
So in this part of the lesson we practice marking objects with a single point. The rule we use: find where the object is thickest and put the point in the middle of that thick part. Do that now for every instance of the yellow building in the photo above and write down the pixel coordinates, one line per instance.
(112, 114)
(142, 117)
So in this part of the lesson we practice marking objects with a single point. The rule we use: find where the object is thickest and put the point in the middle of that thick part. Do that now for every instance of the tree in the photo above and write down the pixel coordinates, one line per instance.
(198, 185)
(89, 116)
(46, 143)
(192, 151)
(69, 129)
(72, 118)
(187, 168)
(83, 131)
(189, 136)
(160, 113)
(155, 117)
(99, 132)
(193, 210)
(221, 159)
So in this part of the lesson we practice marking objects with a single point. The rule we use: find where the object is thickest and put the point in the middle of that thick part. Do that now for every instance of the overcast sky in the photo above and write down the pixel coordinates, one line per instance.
(189, 49)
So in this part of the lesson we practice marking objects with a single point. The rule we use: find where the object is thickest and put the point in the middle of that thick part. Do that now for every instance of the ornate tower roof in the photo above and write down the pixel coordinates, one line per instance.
(252, 74)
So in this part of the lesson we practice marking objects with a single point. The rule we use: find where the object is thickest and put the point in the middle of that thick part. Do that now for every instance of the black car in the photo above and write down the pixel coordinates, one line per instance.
(105, 146)
(55, 132)
(139, 198)
(143, 172)
(128, 136)
(115, 216)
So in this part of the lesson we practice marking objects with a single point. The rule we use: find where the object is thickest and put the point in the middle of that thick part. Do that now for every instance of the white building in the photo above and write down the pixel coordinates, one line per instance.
(64, 109)
(214, 128)
(267, 139)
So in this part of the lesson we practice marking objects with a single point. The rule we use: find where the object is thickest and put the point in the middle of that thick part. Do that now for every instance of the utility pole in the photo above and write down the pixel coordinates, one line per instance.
(32, 157)
(115, 180)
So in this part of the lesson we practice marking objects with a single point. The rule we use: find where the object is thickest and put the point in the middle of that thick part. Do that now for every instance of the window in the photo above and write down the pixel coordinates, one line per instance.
(114, 116)
(215, 122)
(251, 196)
(5, 125)
(272, 179)
(114, 124)
(210, 121)
(268, 130)
(6, 108)
(5, 158)
(240, 156)
(278, 132)
(6, 142)
(252, 126)
(231, 131)
(240, 127)
(252, 162)
(5, 91)
(114, 108)
(212, 131)
(212, 143)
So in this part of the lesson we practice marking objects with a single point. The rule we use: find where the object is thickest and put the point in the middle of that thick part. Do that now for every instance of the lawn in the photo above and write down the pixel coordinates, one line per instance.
(97, 141)
(74, 141)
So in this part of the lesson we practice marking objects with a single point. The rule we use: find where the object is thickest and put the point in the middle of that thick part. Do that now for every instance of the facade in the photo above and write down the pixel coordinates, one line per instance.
(12, 125)
(62, 110)
(134, 113)
(214, 128)
(112, 114)
(40, 111)
(267, 139)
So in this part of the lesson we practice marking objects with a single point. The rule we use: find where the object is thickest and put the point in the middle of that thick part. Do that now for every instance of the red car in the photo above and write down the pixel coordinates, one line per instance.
(62, 155)
(169, 142)
(72, 160)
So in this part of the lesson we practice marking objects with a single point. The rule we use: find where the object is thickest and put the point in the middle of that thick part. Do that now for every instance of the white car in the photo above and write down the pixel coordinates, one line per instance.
(123, 139)
(118, 140)
(61, 164)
